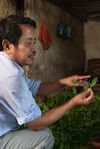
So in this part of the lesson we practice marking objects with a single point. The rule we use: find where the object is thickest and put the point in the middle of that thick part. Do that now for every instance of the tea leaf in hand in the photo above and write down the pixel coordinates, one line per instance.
(74, 90)
(93, 82)
(74, 81)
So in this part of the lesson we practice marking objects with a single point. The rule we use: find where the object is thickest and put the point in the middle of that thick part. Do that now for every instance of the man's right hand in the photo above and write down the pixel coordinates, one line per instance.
(55, 114)
(84, 98)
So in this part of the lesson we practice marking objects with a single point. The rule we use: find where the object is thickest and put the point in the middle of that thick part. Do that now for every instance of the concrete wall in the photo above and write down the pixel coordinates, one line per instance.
(7, 7)
(92, 39)
(64, 57)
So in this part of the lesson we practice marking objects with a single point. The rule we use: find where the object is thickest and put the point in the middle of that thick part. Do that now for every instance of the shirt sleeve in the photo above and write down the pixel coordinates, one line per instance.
(33, 85)
(18, 100)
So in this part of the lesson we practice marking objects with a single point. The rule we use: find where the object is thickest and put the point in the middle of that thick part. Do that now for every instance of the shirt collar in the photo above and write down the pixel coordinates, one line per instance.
(17, 65)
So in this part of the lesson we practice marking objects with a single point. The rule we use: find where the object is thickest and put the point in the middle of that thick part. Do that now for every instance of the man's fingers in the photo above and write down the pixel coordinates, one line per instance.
(80, 83)
(87, 92)
(91, 95)
(83, 77)
(80, 79)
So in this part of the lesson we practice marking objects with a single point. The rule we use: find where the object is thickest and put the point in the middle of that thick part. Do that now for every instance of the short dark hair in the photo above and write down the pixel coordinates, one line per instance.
(21, 20)
(9, 31)
(10, 28)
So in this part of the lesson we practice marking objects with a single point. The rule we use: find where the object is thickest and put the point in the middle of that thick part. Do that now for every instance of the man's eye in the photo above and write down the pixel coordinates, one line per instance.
(29, 43)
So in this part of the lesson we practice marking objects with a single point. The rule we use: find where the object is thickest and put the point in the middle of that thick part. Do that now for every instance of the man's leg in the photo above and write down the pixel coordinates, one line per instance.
(27, 139)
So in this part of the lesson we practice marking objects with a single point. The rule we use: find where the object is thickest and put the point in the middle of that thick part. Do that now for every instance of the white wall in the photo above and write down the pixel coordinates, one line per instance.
(92, 39)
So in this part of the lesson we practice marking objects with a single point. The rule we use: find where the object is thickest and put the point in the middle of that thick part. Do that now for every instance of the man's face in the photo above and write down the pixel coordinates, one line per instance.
(25, 51)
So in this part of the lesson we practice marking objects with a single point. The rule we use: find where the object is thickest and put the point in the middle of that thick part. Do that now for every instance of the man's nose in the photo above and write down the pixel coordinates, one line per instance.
(34, 48)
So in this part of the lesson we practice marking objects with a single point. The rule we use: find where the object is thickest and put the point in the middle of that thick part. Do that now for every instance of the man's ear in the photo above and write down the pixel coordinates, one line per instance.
(6, 45)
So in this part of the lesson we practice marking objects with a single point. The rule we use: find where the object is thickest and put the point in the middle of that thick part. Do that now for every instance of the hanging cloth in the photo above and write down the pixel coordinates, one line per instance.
(44, 36)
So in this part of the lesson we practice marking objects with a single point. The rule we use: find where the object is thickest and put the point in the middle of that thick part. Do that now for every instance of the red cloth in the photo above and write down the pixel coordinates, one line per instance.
(44, 36)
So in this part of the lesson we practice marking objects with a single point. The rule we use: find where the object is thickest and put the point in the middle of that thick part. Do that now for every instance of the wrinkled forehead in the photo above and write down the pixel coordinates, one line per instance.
(28, 31)
(25, 27)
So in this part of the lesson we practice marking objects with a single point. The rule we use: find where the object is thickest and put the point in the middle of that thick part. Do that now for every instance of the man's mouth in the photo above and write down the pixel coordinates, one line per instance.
(32, 55)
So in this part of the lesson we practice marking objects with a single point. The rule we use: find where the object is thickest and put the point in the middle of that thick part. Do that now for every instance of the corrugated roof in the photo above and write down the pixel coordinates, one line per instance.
(84, 9)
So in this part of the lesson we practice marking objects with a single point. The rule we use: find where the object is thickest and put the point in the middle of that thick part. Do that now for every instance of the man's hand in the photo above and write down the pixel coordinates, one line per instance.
(84, 98)
(50, 87)
(74, 80)
(55, 114)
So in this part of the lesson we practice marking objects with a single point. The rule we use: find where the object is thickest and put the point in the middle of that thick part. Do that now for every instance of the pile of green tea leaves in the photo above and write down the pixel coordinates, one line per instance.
(78, 127)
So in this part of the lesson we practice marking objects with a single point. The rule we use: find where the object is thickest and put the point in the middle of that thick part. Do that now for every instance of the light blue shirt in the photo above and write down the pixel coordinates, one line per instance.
(17, 103)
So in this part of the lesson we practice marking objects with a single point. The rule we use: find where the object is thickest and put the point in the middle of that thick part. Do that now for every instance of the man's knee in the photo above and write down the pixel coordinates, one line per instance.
(49, 141)
(50, 135)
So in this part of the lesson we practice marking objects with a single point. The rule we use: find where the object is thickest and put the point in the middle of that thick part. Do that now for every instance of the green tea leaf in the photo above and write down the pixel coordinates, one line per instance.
(74, 90)
(93, 82)
(79, 126)
(74, 81)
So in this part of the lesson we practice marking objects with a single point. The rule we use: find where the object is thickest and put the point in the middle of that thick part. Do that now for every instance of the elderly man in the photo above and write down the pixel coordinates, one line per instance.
(17, 92)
